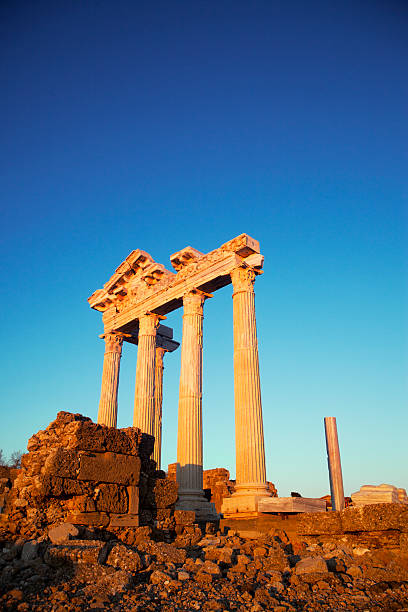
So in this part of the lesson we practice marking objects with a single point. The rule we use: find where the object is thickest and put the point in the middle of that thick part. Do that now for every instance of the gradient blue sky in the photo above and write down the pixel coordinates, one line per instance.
(158, 125)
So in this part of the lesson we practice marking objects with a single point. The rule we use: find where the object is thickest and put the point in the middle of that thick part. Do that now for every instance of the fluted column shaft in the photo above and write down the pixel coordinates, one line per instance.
(190, 427)
(143, 415)
(249, 435)
(108, 404)
(158, 401)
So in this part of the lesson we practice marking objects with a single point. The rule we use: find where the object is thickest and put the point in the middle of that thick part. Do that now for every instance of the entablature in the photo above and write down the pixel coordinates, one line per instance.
(141, 285)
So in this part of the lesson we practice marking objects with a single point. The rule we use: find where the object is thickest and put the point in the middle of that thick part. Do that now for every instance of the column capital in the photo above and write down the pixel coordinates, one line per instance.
(243, 279)
(113, 342)
(193, 301)
(148, 324)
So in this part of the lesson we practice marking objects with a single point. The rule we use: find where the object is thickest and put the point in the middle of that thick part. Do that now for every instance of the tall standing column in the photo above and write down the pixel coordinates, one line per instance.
(333, 460)
(108, 404)
(158, 401)
(249, 435)
(190, 426)
(143, 415)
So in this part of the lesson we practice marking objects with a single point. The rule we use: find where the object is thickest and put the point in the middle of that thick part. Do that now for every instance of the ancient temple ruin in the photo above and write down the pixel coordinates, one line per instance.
(134, 301)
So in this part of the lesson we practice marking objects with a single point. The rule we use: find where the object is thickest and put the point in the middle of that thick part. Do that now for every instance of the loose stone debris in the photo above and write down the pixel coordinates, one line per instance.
(191, 567)
(76, 537)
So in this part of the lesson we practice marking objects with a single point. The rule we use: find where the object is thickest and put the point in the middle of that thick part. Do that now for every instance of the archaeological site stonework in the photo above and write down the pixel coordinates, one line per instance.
(134, 301)
(89, 474)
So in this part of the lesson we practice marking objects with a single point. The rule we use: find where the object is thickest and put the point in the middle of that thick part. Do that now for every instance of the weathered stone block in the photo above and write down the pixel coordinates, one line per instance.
(109, 467)
(319, 523)
(161, 493)
(97, 519)
(111, 498)
(83, 551)
(124, 558)
(375, 517)
(184, 517)
(162, 514)
(124, 520)
(62, 462)
(133, 496)
(55, 486)
(311, 565)
(81, 503)
(62, 533)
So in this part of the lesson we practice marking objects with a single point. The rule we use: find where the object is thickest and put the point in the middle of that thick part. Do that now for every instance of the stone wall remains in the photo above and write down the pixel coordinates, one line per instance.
(87, 474)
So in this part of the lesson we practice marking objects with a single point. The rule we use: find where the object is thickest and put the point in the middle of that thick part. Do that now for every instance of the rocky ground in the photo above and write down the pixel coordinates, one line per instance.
(80, 569)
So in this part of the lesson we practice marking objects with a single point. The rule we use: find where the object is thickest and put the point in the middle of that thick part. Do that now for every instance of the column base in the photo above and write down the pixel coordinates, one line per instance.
(245, 499)
(196, 501)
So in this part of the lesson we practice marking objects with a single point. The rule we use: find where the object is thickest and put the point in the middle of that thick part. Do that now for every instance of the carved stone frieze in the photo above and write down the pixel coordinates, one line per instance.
(140, 284)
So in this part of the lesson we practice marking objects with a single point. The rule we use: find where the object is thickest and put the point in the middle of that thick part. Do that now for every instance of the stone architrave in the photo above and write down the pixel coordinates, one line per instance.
(249, 436)
(190, 426)
(143, 415)
(158, 401)
(108, 404)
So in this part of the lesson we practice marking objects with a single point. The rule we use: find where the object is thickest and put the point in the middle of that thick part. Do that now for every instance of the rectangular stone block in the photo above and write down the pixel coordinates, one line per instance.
(81, 503)
(110, 468)
(96, 519)
(82, 552)
(111, 498)
(124, 520)
(162, 514)
(184, 517)
(55, 486)
(85, 435)
(133, 496)
(62, 462)
(319, 523)
(291, 504)
(375, 517)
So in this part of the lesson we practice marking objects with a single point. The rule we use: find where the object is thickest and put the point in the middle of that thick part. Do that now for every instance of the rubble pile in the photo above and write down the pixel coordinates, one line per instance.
(88, 474)
(71, 568)
(90, 524)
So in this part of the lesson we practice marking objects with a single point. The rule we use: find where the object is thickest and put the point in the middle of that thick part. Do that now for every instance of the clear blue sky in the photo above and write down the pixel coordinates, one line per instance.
(158, 125)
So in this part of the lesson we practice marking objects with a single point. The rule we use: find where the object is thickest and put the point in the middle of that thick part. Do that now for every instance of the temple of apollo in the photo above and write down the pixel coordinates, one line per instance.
(134, 301)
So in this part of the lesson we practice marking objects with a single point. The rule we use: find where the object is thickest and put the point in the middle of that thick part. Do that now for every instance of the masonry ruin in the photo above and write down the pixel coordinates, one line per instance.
(134, 301)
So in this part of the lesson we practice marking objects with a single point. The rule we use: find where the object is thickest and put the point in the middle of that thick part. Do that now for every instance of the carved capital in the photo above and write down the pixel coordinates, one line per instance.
(113, 343)
(193, 302)
(243, 279)
(148, 324)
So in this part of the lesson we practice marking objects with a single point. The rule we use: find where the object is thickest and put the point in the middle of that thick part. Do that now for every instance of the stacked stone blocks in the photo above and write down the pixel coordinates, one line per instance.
(93, 474)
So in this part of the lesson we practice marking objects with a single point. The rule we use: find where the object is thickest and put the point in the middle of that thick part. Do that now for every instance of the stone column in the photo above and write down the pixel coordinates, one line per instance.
(143, 415)
(334, 463)
(190, 426)
(249, 435)
(108, 404)
(158, 401)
